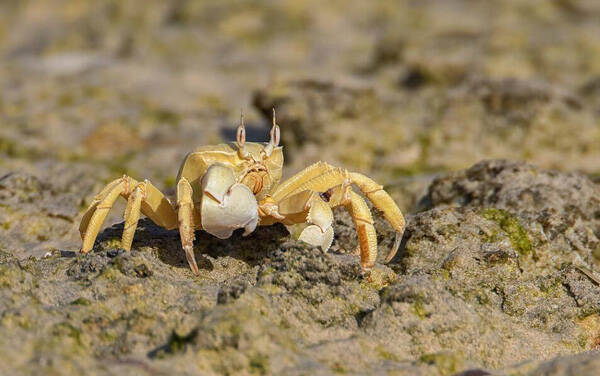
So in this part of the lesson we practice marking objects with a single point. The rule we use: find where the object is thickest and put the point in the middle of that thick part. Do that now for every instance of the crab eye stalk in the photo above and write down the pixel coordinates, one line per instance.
(275, 136)
(241, 132)
(241, 137)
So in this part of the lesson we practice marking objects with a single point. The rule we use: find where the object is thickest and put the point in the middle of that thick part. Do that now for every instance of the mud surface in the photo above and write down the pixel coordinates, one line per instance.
(439, 101)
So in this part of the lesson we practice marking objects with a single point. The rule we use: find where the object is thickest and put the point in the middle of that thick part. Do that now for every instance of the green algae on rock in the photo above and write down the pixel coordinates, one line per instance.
(512, 227)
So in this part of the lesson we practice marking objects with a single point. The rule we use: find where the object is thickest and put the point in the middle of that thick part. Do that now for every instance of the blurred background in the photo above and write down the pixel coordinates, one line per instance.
(399, 90)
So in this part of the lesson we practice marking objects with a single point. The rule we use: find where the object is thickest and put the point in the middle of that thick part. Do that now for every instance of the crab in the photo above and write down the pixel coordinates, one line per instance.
(221, 188)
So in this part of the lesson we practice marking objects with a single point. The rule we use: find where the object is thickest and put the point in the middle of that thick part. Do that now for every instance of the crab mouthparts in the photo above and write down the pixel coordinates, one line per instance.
(255, 179)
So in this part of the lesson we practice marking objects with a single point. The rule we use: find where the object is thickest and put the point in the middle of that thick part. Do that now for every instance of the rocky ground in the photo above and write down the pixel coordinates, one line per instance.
(441, 101)
(498, 267)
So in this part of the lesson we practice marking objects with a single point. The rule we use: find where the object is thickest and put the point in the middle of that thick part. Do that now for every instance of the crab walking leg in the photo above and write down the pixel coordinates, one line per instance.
(152, 203)
(100, 210)
(331, 178)
(382, 201)
(185, 209)
(321, 177)
(363, 222)
(157, 207)
(293, 183)
(132, 216)
(92, 208)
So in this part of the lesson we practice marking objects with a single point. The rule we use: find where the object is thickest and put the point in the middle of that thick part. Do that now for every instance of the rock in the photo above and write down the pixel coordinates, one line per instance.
(581, 364)
(508, 118)
(559, 211)
(38, 213)
(478, 118)
(307, 107)
(475, 287)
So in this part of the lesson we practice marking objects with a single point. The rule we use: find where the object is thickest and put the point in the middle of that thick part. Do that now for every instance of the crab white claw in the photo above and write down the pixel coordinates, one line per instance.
(226, 205)
(315, 235)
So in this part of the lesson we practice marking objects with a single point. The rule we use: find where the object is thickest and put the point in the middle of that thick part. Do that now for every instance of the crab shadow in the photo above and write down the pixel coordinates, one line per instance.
(252, 249)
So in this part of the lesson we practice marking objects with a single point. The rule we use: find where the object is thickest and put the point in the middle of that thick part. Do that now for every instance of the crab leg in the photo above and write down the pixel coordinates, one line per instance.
(144, 197)
(319, 217)
(363, 222)
(321, 177)
(132, 216)
(294, 183)
(90, 228)
(185, 209)
(382, 201)
(85, 221)
(330, 178)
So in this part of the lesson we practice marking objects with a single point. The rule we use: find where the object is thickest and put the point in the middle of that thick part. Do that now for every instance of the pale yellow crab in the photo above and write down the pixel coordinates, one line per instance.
(224, 187)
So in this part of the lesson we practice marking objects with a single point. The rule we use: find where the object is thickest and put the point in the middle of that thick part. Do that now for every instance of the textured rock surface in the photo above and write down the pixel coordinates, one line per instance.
(444, 128)
(39, 212)
(479, 283)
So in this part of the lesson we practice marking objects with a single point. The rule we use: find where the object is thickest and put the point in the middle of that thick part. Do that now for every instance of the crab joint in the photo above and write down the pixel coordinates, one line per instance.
(268, 207)
(275, 136)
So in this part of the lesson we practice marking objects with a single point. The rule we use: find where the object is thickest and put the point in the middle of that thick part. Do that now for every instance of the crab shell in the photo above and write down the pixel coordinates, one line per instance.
(227, 185)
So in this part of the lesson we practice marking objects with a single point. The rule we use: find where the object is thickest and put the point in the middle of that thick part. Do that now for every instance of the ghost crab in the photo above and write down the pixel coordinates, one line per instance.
(224, 187)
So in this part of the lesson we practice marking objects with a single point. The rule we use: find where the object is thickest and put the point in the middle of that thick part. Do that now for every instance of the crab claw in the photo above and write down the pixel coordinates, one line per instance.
(314, 235)
(226, 205)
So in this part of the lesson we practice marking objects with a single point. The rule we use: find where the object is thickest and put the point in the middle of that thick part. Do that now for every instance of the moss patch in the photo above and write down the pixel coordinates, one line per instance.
(446, 363)
(511, 226)
(81, 301)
